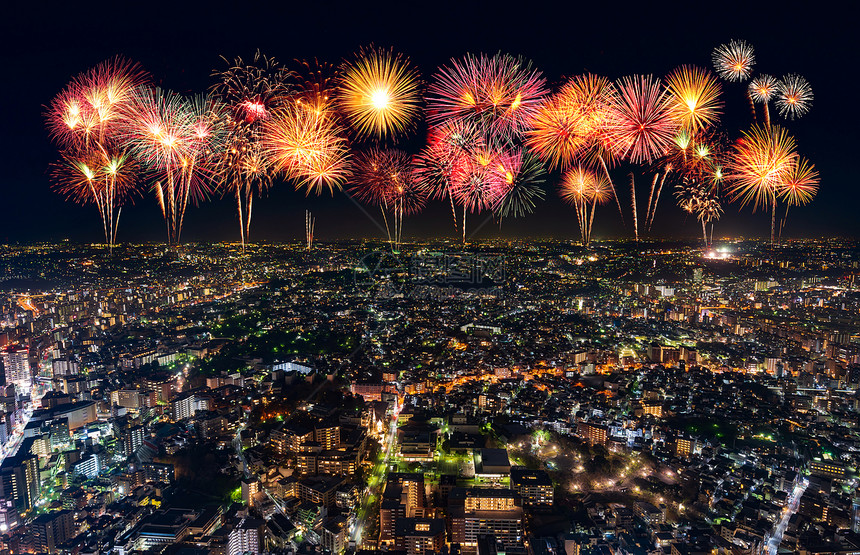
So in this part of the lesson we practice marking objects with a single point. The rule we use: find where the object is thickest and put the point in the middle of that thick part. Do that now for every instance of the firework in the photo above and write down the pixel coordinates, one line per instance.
(585, 190)
(794, 96)
(386, 178)
(695, 97)
(700, 200)
(763, 88)
(379, 94)
(557, 134)
(501, 94)
(695, 160)
(477, 184)
(317, 85)
(107, 179)
(760, 164)
(310, 223)
(306, 147)
(85, 120)
(87, 112)
(759, 168)
(250, 92)
(799, 187)
(159, 134)
(180, 141)
(641, 125)
(800, 183)
(449, 148)
(734, 60)
(522, 177)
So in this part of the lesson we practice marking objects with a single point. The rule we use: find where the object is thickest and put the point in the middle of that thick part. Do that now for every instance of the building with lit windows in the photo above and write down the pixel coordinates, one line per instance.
(594, 434)
(417, 536)
(16, 364)
(246, 537)
(827, 469)
(533, 486)
(485, 511)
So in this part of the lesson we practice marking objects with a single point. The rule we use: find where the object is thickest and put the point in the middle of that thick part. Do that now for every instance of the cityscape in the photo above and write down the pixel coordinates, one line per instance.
(519, 398)
(479, 279)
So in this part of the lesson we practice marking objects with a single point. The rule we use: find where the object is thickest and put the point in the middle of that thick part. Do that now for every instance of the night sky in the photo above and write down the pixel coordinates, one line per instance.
(180, 46)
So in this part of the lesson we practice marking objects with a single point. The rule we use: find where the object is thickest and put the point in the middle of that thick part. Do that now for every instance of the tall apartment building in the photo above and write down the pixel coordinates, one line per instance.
(246, 537)
(484, 511)
(51, 530)
(16, 363)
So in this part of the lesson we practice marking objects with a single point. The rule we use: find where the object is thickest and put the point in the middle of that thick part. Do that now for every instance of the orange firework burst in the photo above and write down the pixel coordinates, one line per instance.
(557, 133)
(760, 165)
(734, 61)
(584, 190)
(379, 94)
(307, 147)
(570, 124)
(695, 95)
(800, 183)
(106, 178)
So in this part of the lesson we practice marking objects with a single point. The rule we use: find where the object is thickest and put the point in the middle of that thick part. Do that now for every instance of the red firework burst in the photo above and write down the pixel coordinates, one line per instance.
(500, 93)
(640, 125)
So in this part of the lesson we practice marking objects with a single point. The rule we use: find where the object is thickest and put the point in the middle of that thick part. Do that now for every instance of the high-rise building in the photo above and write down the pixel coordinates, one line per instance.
(404, 497)
(246, 537)
(594, 434)
(16, 362)
(127, 398)
(484, 511)
(335, 534)
(51, 530)
(328, 437)
(250, 488)
(132, 439)
(20, 481)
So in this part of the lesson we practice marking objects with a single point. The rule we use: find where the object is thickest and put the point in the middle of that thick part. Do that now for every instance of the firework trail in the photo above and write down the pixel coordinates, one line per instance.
(585, 190)
(310, 222)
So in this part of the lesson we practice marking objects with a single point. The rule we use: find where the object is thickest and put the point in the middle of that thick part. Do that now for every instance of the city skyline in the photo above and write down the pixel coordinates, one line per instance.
(279, 215)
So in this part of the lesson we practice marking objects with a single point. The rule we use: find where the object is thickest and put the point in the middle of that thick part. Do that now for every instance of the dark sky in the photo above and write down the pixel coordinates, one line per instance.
(179, 44)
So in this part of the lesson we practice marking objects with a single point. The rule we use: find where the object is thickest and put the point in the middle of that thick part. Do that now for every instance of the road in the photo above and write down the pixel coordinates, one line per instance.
(787, 512)
(237, 446)
(377, 479)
